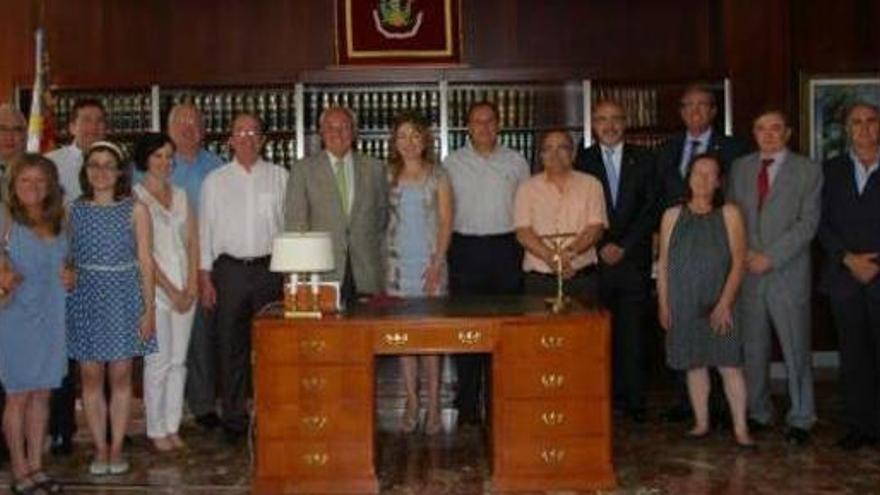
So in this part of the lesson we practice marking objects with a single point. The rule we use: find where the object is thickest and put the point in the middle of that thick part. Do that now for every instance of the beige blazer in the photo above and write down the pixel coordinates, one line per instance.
(312, 204)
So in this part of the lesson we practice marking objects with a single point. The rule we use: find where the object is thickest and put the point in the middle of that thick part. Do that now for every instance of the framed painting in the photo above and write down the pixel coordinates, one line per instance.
(827, 99)
(398, 32)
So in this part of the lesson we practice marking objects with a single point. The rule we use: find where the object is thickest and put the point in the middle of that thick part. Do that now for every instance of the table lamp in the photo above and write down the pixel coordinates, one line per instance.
(306, 254)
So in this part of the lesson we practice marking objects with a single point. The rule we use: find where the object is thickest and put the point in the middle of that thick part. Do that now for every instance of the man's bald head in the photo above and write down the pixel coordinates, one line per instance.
(13, 133)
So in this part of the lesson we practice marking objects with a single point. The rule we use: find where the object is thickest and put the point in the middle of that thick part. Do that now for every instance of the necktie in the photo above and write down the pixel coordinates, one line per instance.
(693, 146)
(764, 181)
(611, 172)
(342, 185)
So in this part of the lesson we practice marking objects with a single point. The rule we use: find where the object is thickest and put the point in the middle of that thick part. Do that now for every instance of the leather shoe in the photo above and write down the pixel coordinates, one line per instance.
(208, 421)
(233, 436)
(676, 414)
(757, 426)
(638, 415)
(854, 441)
(796, 436)
(61, 446)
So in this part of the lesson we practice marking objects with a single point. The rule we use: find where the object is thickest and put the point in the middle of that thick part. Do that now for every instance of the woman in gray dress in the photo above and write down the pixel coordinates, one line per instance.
(702, 255)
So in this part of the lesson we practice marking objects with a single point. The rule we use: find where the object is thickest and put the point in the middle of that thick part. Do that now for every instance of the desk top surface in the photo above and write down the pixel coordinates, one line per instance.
(494, 307)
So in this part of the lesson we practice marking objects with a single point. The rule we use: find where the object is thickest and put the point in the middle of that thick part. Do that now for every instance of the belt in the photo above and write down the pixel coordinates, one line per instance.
(583, 272)
(254, 260)
(123, 267)
(504, 235)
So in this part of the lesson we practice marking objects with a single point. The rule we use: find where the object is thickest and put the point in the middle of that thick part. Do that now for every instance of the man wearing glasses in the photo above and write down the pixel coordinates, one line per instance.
(628, 178)
(241, 211)
(12, 145)
(698, 111)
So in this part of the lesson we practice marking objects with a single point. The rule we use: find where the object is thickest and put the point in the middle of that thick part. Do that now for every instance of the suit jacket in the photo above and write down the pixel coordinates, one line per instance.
(631, 223)
(728, 148)
(850, 223)
(312, 204)
(785, 225)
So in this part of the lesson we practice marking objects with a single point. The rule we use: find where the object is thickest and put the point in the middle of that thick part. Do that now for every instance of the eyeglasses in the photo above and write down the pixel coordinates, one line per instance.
(247, 133)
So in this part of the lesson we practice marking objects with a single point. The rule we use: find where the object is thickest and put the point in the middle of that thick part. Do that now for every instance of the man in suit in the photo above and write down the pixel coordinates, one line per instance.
(778, 192)
(240, 212)
(346, 193)
(698, 111)
(627, 174)
(850, 234)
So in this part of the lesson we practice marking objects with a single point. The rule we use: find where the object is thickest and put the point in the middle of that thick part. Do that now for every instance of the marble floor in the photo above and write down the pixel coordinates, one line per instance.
(651, 458)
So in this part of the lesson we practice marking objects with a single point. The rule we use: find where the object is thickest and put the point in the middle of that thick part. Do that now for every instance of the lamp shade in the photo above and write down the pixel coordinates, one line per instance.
(300, 252)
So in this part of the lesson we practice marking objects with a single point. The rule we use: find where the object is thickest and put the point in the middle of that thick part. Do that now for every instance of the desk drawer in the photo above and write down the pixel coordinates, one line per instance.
(296, 460)
(533, 420)
(313, 345)
(566, 456)
(316, 420)
(288, 385)
(583, 339)
(430, 339)
(552, 379)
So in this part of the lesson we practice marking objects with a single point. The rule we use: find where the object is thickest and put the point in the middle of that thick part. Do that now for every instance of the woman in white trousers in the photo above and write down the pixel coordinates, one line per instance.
(175, 251)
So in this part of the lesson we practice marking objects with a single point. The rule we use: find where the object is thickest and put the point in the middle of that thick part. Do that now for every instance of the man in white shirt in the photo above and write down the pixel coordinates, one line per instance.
(88, 123)
(241, 211)
(484, 255)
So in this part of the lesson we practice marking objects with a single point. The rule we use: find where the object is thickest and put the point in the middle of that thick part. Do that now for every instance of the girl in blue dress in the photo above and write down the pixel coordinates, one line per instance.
(33, 281)
(419, 230)
(111, 312)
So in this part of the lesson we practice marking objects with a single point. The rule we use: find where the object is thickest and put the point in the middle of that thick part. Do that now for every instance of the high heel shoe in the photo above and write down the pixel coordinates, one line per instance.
(410, 419)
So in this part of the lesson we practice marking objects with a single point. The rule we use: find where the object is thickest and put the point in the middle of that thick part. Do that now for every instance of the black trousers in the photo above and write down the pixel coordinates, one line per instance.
(625, 291)
(62, 405)
(480, 265)
(857, 320)
(242, 289)
(201, 364)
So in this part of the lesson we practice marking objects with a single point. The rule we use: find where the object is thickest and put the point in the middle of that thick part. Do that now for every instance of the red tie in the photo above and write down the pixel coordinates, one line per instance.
(764, 181)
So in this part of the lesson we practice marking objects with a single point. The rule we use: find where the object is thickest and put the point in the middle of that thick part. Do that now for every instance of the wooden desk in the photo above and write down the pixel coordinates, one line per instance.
(551, 413)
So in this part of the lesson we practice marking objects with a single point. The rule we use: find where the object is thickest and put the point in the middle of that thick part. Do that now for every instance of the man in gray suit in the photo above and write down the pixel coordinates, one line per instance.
(779, 193)
(346, 193)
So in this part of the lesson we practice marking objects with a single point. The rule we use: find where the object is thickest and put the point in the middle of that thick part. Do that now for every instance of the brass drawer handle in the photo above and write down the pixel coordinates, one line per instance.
(316, 459)
(313, 383)
(314, 423)
(314, 346)
(552, 342)
(553, 418)
(396, 339)
(552, 380)
(470, 337)
(553, 456)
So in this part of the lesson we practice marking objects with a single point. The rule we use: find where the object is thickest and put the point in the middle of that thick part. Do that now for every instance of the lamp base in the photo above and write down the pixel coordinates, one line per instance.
(295, 314)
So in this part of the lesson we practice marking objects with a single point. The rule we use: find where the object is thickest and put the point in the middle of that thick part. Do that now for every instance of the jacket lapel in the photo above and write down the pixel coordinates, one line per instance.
(361, 185)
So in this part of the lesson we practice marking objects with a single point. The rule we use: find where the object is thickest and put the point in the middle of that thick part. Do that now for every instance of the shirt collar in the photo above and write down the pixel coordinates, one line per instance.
(345, 159)
(858, 163)
(702, 138)
(777, 157)
(617, 149)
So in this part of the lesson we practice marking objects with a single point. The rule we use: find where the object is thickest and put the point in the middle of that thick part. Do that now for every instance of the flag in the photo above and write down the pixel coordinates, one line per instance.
(41, 129)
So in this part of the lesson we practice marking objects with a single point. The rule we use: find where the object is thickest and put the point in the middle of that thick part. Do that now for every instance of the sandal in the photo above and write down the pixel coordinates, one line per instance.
(46, 483)
(25, 486)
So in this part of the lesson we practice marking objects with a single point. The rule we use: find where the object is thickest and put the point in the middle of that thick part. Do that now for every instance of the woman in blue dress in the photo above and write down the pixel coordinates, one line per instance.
(33, 281)
(111, 311)
(419, 229)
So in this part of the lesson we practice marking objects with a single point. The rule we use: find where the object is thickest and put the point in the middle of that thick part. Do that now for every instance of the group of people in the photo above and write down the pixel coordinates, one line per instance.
(101, 264)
